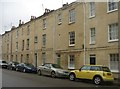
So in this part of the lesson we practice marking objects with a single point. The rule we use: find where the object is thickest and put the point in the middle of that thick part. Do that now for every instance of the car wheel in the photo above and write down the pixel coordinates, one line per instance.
(11, 68)
(53, 74)
(72, 77)
(97, 80)
(16, 69)
(24, 70)
(39, 72)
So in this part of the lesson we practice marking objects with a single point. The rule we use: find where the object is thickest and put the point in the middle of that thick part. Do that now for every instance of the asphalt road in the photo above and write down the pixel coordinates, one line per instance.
(19, 79)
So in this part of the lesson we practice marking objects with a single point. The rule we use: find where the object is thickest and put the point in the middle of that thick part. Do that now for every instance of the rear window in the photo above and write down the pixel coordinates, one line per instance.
(106, 69)
(56, 66)
(4, 62)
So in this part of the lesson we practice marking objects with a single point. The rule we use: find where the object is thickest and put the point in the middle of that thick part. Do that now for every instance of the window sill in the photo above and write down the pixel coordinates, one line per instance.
(44, 28)
(35, 42)
(90, 17)
(71, 68)
(92, 43)
(59, 23)
(71, 22)
(110, 41)
(72, 45)
(112, 11)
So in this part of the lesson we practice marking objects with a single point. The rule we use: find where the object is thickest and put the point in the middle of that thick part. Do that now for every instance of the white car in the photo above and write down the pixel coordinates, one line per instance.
(52, 70)
(3, 64)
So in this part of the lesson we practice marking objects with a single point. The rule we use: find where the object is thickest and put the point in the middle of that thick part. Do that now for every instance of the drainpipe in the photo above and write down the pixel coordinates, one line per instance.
(54, 28)
(84, 10)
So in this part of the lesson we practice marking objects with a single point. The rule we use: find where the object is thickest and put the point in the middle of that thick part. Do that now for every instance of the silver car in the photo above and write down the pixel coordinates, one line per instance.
(3, 64)
(53, 70)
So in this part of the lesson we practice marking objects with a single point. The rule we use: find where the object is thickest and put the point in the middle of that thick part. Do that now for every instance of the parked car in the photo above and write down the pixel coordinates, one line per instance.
(96, 73)
(26, 67)
(12, 65)
(52, 70)
(3, 64)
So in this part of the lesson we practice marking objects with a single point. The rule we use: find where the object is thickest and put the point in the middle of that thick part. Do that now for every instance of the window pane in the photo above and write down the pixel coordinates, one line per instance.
(113, 31)
(91, 8)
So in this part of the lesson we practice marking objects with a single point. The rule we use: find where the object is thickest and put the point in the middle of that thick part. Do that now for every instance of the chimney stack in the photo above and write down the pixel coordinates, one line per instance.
(20, 23)
(33, 17)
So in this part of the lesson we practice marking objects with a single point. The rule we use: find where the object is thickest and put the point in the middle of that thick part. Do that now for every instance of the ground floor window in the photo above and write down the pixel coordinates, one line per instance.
(21, 58)
(114, 60)
(35, 61)
(27, 58)
(71, 62)
(43, 58)
(16, 58)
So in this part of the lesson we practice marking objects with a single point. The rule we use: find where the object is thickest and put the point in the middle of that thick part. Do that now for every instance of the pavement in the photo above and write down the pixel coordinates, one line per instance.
(117, 82)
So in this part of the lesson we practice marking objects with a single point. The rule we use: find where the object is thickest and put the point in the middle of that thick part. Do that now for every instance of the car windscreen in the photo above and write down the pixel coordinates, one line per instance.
(56, 66)
(29, 65)
(106, 69)
(15, 63)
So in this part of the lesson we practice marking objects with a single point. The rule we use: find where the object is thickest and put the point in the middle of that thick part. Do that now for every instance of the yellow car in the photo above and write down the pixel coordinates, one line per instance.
(97, 73)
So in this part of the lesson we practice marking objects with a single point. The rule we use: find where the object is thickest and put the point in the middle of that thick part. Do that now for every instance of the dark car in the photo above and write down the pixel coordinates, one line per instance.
(12, 65)
(53, 70)
(3, 64)
(26, 67)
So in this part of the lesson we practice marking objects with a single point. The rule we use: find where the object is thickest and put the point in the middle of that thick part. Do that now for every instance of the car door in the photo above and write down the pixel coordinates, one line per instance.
(46, 69)
(21, 67)
(84, 72)
(43, 69)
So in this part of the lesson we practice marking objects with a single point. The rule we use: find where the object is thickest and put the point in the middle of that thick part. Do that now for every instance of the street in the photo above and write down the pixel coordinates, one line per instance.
(19, 79)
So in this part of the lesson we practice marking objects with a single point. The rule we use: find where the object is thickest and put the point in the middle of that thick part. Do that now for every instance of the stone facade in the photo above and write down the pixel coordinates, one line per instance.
(73, 35)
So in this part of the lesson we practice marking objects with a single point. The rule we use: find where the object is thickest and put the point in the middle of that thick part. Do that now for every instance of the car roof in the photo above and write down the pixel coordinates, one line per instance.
(92, 65)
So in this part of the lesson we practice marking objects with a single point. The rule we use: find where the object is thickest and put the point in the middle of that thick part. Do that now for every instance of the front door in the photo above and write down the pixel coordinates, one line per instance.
(92, 60)
(58, 59)
(36, 59)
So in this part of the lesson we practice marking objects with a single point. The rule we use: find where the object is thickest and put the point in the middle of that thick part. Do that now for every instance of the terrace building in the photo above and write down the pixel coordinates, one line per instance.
(71, 36)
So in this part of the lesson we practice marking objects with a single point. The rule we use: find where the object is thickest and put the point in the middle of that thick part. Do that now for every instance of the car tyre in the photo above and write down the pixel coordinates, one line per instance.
(53, 74)
(97, 80)
(24, 70)
(16, 69)
(72, 77)
(39, 72)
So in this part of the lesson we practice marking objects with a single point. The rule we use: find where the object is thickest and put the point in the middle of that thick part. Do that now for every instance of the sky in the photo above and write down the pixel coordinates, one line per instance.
(11, 11)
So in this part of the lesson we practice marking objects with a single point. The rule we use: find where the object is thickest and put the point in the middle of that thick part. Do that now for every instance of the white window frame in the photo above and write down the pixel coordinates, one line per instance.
(27, 58)
(44, 40)
(59, 18)
(69, 61)
(117, 61)
(28, 30)
(112, 40)
(36, 39)
(16, 46)
(43, 58)
(44, 23)
(91, 9)
(92, 42)
(71, 38)
(108, 11)
(71, 16)
(28, 44)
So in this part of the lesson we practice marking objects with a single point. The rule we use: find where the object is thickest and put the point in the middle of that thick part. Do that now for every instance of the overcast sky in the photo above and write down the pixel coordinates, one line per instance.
(11, 11)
